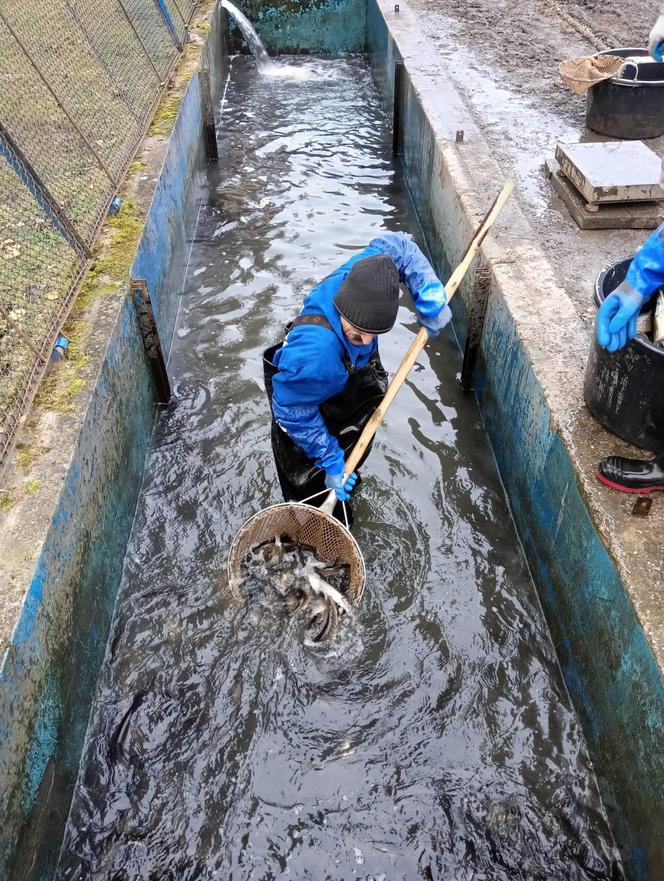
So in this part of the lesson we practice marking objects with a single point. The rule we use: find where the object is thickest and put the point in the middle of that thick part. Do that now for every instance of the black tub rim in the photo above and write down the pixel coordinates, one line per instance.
(630, 84)
(600, 296)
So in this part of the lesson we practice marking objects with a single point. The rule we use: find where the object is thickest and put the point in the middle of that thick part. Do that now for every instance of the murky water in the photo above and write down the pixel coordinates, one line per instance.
(432, 738)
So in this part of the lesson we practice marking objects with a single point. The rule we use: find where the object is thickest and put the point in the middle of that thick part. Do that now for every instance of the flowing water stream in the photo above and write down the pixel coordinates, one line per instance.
(263, 61)
(432, 737)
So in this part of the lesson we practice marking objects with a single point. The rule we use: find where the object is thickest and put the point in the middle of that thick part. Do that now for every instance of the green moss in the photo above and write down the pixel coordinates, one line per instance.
(25, 456)
(202, 27)
(167, 111)
(58, 389)
(136, 166)
(32, 486)
(111, 265)
(7, 502)
(164, 118)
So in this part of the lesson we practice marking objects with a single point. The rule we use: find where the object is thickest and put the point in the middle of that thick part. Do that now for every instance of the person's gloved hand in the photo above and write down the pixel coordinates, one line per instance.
(656, 40)
(435, 323)
(616, 317)
(334, 481)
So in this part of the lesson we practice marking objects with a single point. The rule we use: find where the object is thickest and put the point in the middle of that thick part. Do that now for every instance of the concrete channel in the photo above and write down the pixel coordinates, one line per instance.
(64, 541)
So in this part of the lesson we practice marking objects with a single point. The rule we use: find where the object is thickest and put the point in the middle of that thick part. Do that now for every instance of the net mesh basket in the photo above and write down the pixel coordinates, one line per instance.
(579, 74)
(305, 525)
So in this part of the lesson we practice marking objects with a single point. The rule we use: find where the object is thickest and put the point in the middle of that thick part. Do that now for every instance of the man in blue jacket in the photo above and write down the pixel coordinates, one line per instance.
(326, 379)
(616, 325)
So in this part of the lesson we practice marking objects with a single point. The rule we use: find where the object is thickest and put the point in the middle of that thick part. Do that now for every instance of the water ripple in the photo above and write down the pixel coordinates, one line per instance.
(433, 736)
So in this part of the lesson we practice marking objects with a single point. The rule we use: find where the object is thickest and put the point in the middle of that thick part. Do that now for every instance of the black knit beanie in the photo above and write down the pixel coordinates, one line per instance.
(369, 295)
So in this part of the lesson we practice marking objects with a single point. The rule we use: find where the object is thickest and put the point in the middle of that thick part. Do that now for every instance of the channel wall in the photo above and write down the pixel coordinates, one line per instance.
(606, 617)
(69, 556)
(63, 543)
(528, 383)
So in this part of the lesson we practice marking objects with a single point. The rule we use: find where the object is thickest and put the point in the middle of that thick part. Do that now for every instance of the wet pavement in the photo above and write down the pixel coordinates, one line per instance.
(503, 59)
(433, 737)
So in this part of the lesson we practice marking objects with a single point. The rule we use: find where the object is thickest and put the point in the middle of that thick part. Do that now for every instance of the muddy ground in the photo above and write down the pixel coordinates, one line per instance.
(503, 58)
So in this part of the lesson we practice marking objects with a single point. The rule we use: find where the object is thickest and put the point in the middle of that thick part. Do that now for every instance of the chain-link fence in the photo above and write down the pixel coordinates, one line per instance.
(78, 82)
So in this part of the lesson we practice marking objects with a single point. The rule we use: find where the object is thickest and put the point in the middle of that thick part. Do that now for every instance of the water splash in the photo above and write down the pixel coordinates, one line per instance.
(264, 64)
(257, 49)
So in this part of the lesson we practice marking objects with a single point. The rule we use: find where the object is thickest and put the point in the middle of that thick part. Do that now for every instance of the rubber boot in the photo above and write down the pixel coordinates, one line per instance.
(632, 475)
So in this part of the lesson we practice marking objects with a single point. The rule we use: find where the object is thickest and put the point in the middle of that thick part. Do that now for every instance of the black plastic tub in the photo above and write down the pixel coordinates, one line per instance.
(628, 108)
(625, 389)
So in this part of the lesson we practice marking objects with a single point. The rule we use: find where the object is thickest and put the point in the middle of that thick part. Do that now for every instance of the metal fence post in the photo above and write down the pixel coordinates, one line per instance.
(140, 41)
(109, 73)
(177, 6)
(161, 6)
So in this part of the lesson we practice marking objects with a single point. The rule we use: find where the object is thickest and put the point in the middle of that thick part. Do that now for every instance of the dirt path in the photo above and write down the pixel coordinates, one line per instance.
(503, 57)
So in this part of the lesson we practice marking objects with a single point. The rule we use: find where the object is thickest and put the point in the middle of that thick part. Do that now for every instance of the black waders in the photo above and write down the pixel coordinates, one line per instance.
(345, 415)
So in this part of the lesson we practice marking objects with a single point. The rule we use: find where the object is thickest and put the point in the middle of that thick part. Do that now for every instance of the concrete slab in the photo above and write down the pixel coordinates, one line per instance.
(513, 92)
(641, 215)
(612, 171)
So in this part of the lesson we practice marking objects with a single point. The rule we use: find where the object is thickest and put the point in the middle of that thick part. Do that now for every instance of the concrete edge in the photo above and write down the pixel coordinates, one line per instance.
(536, 300)
(606, 618)
(75, 478)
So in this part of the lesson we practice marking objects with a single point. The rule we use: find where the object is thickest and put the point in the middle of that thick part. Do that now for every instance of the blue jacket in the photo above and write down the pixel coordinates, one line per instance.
(646, 271)
(310, 362)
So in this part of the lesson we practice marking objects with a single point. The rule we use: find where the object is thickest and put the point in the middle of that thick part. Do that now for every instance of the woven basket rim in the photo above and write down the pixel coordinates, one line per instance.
(571, 70)
(310, 509)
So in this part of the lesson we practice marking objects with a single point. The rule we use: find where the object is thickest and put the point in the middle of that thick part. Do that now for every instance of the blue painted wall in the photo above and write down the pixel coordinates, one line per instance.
(161, 258)
(609, 668)
(334, 27)
(50, 671)
(607, 662)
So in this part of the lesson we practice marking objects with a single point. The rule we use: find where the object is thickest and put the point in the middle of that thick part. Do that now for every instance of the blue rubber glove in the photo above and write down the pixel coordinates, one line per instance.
(333, 481)
(656, 40)
(646, 271)
(435, 323)
(616, 317)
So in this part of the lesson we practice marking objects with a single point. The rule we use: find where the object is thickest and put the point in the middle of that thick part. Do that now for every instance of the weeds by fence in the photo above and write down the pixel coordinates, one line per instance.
(79, 80)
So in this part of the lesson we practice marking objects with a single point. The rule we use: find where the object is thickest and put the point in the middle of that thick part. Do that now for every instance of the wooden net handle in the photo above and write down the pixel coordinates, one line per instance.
(420, 340)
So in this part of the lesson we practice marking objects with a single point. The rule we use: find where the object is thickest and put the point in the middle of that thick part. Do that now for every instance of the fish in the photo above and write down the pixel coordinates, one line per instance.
(291, 574)
(332, 571)
(286, 579)
(268, 553)
(288, 544)
(116, 742)
(318, 585)
(302, 602)
(318, 605)
(329, 622)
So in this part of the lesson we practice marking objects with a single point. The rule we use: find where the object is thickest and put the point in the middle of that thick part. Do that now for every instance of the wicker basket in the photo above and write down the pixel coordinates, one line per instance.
(580, 74)
(305, 525)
